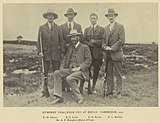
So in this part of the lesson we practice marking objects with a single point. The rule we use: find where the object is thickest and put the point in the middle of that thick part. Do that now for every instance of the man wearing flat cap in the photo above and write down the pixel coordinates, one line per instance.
(66, 28)
(93, 36)
(74, 67)
(51, 43)
(114, 39)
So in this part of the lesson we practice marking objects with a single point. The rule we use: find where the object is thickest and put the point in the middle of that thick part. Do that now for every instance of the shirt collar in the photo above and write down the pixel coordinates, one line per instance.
(94, 25)
(77, 44)
(49, 24)
(112, 24)
(70, 22)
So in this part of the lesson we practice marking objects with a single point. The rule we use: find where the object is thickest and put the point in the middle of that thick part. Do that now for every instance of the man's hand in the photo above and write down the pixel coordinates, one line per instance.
(41, 54)
(76, 69)
(67, 45)
(107, 48)
(92, 41)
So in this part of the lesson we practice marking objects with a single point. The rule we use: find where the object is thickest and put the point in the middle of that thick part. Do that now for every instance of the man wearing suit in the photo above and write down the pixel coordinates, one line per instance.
(70, 25)
(66, 28)
(50, 35)
(74, 67)
(93, 36)
(114, 39)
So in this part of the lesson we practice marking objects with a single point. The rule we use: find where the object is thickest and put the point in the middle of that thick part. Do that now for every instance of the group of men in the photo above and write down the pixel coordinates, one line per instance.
(76, 57)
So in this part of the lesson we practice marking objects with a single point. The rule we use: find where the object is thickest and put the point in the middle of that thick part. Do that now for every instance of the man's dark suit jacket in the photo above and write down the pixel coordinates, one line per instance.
(97, 35)
(115, 39)
(65, 31)
(52, 42)
(83, 56)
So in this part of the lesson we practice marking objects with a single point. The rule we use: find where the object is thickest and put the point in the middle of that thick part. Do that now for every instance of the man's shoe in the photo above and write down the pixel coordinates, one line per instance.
(109, 94)
(80, 101)
(94, 92)
(45, 95)
(57, 101)
(42, 95)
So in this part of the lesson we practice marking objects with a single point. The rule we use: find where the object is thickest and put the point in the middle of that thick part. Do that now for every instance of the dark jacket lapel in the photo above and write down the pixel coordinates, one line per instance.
(66, 27)
(47, 28)
(74, 25)
(54, 28)
(96, 28)
(69, 54)
(108, 30)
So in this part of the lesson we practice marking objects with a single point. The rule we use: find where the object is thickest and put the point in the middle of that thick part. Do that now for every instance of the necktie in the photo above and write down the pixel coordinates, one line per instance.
(51, 27)
(93, 29)
(69, 27)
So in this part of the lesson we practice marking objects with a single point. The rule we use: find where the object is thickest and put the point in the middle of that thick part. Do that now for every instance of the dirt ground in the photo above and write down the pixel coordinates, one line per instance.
(140, 84)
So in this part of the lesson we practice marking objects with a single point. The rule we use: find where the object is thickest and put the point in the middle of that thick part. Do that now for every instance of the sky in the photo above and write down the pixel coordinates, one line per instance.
(139, 19)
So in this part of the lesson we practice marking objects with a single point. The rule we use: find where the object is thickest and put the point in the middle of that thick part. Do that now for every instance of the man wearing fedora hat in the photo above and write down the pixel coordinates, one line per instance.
(70, 25)
(66, 28)
(114, 39)
(74, 67)
(93, 36)
(51, 43)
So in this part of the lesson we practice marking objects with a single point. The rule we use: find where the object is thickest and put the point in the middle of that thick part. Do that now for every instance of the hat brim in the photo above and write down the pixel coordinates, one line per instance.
(50, 13)
(111, 14)
(77, 34)
(75, 13)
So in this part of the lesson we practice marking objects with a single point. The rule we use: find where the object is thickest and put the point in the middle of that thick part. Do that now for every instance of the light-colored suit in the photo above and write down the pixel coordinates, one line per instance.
(115, 39)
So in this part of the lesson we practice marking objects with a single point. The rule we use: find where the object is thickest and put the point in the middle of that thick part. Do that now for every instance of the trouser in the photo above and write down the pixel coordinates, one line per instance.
(96, 63)
(113, 68)
(71, 77)
(55, 66)
(65, 85)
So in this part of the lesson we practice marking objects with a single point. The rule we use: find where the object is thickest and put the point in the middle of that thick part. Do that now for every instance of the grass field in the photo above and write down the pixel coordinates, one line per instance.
(140, 86)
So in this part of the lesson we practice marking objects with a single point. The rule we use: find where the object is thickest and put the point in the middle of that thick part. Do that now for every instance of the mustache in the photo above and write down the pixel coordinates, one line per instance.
(110, 18)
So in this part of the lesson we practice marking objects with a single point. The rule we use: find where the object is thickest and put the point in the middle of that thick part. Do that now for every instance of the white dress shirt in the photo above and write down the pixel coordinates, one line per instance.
(111, 25)
(49, 24)
(94, 26)
(77, 44)
(72, 24)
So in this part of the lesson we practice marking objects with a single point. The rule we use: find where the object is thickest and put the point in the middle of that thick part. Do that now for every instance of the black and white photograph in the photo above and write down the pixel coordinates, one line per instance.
(80, 54)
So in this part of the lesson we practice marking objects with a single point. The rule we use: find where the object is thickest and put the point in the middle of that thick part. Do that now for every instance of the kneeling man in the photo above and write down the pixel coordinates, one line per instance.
(74, 67)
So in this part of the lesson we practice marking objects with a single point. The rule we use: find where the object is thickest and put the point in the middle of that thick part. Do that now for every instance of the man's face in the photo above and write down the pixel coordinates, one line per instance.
(50, 18)
(93, 19)
(70, 17)
(74, 40)
(111, 18)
